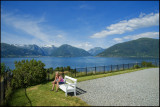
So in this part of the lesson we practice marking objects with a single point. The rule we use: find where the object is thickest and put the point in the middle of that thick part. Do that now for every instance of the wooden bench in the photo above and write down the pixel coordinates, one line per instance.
(69, 86)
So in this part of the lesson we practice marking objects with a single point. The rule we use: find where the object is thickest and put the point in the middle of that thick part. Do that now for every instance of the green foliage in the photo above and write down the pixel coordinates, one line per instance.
(8, 92)
(147, 64)
(28, 73)
(143, 47)
(57, 69)
(68, 68)
(4, 69)
(50, 70)
(136, 66)
(61, 69)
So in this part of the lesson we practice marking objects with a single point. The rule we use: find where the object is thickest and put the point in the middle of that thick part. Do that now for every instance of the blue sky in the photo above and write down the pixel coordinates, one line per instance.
(83, 24)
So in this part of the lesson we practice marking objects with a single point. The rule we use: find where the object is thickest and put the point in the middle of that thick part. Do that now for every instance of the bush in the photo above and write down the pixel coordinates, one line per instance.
(27, 73)
(50, 70)
(136, 66)
(4, 69)
(147, 64)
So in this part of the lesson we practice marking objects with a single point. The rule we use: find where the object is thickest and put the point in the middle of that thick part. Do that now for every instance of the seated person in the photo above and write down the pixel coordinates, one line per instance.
(58, 80)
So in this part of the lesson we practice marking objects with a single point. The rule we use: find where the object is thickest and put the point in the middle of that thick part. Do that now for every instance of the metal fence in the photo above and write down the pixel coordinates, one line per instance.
(77, 72)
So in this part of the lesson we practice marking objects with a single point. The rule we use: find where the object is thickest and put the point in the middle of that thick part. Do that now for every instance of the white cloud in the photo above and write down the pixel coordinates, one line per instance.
(84, 45)
(142, 35)
(27, 25)
(129, 25)
(41, 34)
(60, 36)
(118, 40)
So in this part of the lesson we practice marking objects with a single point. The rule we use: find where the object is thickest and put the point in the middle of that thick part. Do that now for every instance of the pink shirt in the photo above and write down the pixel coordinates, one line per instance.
(61, 79)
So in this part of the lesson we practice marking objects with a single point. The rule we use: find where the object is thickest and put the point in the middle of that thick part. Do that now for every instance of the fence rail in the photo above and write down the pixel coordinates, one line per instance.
(101, 69)
(6, 81)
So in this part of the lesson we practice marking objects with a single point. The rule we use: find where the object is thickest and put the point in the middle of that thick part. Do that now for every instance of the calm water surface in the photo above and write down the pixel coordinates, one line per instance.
(77, 61)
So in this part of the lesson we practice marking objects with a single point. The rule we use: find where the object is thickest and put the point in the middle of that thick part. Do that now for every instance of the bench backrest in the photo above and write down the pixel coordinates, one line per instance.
(70, 78)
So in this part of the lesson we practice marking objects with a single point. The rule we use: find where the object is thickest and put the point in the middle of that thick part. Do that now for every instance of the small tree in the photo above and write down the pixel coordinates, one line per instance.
(136, 66)
(68, 68)
(147, 64)
(27, 73)
(57, 69)
(4, 69)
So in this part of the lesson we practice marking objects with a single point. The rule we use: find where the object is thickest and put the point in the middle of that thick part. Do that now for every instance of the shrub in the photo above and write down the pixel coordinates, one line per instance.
(136, 66)
(4, 69)
(147, 64)
(27, 73)
(50, 70)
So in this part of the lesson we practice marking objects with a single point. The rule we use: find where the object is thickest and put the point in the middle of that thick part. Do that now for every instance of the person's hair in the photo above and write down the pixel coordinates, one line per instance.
(57, 73)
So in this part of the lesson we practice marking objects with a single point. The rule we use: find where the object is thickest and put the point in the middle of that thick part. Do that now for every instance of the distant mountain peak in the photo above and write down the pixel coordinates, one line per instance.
(48, 46)
(17, 44)
(95, 50)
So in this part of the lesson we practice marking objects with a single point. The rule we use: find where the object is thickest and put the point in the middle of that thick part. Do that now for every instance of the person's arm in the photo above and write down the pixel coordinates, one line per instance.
(55, 78)
(59, 79)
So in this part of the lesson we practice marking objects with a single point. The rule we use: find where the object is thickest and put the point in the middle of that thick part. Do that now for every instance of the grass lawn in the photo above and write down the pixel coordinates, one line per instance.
(40, 95)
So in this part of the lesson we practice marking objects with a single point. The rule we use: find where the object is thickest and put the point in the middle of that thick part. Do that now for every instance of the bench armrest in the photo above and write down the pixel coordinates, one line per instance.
(64, 80)
(72, 84)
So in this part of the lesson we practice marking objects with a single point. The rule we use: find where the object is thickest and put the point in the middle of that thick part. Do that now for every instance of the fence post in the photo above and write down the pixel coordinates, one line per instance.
(155, 63)
(123, 66)
(117, 68)
(4, 88)
(86, 70)
(133, 66)
(128, 66)
(1, 93)
(104, 69)
(75, 72)
(111, 68)
(141, 64)
(95, 69)
(48, 75)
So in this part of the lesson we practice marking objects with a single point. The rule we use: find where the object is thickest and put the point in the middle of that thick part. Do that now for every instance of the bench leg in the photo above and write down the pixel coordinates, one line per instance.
(66, 94)
(74, 93)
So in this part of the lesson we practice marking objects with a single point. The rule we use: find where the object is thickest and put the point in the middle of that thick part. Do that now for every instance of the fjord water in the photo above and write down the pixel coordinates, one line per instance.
(77, 61)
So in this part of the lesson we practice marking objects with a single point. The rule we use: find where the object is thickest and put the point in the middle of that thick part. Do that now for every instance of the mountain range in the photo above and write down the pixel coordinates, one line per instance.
(143, 47)
(10, 50)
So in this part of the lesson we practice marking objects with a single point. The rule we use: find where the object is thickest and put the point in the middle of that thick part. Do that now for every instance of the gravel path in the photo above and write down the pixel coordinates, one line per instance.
(140, 88)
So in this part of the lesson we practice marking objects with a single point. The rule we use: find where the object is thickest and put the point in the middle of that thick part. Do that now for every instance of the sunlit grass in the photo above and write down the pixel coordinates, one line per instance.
(40, 95)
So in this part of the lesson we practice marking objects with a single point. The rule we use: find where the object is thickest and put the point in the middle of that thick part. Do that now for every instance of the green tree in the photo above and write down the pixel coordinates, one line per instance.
(57, 69)
(147, 64)
(68, 68)
(50, 70)
(4, 69)
(27, 73)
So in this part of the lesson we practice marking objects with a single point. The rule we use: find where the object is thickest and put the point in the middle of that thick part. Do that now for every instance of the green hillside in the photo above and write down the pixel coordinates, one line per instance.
(143, 47)
(69, 51)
